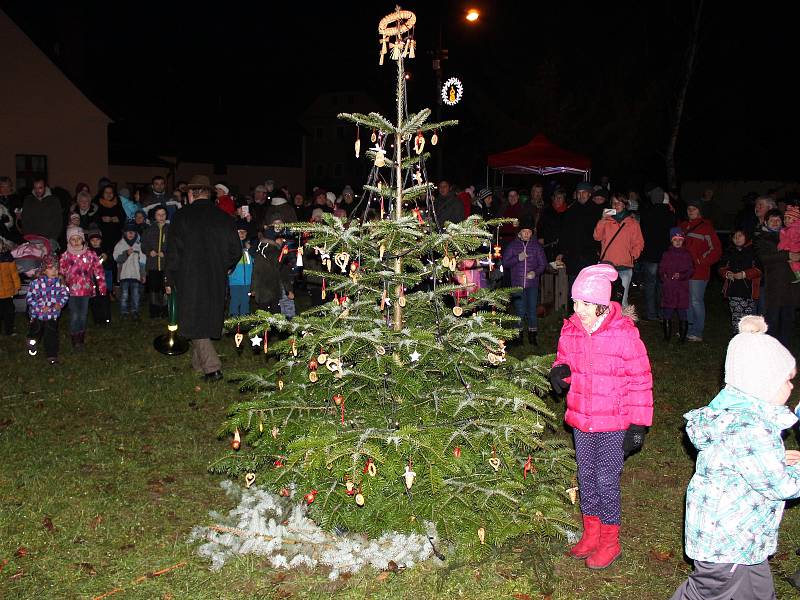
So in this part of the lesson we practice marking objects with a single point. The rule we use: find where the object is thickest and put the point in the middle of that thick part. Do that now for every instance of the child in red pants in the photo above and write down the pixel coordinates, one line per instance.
(610, 402)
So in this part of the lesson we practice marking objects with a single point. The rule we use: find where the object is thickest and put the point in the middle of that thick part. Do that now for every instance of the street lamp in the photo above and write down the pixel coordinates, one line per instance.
(473, 14)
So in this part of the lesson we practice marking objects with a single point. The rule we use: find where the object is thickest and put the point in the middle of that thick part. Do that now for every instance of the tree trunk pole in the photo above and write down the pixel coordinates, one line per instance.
(672, 171)
(398, 155)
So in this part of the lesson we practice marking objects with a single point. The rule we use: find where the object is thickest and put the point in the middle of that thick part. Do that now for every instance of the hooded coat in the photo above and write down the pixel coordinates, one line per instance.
(611, 383)
(202, 245)
(735, 500)
(675, 292)
(131, 266)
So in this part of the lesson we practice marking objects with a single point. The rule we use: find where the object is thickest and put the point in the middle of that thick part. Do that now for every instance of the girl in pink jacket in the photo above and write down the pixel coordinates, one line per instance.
(84, 276)
(604, 363)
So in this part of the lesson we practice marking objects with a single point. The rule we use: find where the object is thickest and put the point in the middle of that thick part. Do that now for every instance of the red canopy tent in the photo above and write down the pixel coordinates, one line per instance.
(540, 156)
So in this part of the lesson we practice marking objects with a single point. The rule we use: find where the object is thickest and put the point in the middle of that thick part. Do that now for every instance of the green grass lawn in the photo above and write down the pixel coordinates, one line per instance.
(104, 474)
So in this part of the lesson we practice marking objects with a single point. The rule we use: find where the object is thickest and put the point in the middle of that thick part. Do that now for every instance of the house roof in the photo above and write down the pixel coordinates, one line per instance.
(40, 87)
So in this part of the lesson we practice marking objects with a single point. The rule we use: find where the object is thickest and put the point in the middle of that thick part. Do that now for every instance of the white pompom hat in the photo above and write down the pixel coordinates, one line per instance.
(757, 364)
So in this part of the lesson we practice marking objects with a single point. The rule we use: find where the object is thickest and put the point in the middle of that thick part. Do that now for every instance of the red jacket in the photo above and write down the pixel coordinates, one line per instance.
(226, 204)
(703, 244)
(466, 200)
(611, 383)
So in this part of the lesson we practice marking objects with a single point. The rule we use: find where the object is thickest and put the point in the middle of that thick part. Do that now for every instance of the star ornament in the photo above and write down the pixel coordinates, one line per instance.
(415, 356)
(256, 341)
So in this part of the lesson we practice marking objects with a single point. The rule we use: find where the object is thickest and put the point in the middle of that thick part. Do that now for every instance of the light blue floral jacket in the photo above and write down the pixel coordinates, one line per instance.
(735, 499)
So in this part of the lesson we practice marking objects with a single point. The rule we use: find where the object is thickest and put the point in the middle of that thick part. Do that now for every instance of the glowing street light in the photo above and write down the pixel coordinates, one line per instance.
(473, 15)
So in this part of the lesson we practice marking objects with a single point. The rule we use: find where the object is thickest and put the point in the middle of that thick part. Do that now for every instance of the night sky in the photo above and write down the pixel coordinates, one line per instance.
(597, 78)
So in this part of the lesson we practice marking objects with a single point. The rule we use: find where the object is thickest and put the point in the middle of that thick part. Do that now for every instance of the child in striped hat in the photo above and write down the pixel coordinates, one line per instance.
(790, 237)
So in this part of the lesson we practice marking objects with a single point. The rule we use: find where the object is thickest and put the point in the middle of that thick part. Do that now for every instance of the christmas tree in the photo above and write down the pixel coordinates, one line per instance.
(394, 406)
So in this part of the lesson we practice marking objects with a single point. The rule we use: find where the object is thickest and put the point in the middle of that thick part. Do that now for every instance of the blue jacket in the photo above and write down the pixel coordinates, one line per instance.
(130, 207)
(735, 499)
(242, 273)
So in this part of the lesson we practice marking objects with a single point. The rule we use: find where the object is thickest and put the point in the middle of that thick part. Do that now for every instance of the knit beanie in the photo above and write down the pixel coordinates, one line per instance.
(757, 364)
(94, 232)
(792, 211)
(593, 284)
(676, 232)
(73, 231)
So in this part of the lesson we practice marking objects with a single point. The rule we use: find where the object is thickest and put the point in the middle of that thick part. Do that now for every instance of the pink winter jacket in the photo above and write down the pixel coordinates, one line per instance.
(83, 273)
(611, 385)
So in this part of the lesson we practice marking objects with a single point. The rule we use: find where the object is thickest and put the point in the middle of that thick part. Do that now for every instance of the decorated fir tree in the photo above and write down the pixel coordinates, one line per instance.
(393, 406)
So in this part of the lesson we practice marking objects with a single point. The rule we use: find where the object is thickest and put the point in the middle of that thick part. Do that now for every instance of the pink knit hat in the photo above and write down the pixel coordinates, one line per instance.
(792, 211)
(593, 284)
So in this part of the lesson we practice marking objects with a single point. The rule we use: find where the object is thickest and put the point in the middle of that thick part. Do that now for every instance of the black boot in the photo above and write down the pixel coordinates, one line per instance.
(666, 325)
(532, 338)
(515, 342)
(683, 329)
(77, 341)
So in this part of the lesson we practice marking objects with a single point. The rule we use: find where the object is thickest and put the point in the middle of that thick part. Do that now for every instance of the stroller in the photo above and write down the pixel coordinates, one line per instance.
(28, 257)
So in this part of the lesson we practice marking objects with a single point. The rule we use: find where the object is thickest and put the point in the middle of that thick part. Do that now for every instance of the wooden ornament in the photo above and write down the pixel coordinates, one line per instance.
(482, 535)
(261, 426)
(313, 377)
(419, 143)
(338, 399)
(322, 358)
(494, 462)
(402, 301)
(280, 385)
(236, 442)
(341, 261)
(238, 337)
(573, 494)
(360, 500)
(409, 476)
(381, 251)
(374, 137)
(275, 431)
(434, 139)
(372, 470)
(294, 347)
(249, 479)
(333, 364)
(358, 147)
(313, 365)
(458, 311)
(380, 157)
(350, 487)
(380, 350)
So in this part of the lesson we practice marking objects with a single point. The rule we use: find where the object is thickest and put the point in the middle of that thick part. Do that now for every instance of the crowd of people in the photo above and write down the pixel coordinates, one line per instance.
(222, 255)
(667, 246)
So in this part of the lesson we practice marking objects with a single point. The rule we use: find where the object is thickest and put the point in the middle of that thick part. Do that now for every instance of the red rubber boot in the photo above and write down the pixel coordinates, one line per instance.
(608, 550)
(590, 538)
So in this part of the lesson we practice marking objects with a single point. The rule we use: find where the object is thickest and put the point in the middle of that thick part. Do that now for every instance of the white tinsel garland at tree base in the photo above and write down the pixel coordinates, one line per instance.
(267, 525)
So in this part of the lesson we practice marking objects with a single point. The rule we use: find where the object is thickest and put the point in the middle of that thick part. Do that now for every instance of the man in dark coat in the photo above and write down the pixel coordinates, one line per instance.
(202, 245)
(577, 247)
(656, 220)
(449, 209)
(41, 212)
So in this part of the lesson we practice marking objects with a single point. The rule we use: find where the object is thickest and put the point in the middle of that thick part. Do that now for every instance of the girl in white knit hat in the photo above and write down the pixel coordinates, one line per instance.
(743, 474)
